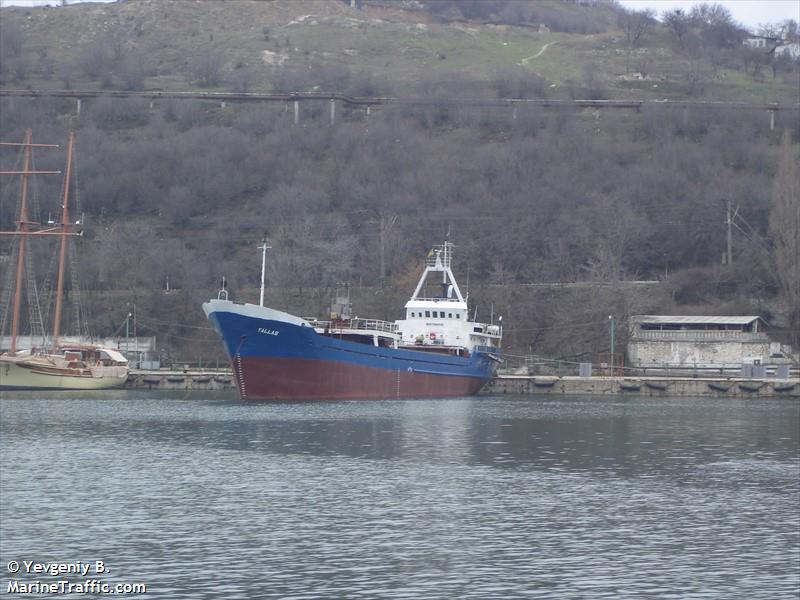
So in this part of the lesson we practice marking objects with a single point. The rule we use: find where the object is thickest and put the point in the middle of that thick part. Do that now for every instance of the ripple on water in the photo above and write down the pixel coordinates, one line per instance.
(474, 498)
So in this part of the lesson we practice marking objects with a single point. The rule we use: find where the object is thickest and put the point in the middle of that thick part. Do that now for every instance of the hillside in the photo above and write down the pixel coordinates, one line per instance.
(183, 191)
(324, 44)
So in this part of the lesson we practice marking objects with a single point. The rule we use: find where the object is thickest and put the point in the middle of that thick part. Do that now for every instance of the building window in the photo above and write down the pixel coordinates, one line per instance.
(427, 313)
(458, 315)
(449, 315)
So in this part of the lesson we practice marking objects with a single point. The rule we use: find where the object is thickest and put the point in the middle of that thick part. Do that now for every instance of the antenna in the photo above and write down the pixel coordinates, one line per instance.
(466, 298)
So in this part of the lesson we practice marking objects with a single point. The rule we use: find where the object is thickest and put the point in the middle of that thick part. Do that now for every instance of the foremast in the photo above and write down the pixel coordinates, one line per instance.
(22, 226)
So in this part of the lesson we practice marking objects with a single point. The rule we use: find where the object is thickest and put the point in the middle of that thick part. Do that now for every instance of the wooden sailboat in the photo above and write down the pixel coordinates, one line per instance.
(55, 365)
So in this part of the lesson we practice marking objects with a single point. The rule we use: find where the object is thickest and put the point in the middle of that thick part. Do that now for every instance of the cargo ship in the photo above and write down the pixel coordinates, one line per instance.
(435, 351)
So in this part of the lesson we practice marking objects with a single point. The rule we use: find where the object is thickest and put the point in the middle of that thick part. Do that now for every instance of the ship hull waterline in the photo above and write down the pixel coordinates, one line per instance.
(264, 378)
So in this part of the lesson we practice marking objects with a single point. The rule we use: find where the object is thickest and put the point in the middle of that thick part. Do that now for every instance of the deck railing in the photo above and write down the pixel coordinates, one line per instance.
(360, 324)
(374, 325)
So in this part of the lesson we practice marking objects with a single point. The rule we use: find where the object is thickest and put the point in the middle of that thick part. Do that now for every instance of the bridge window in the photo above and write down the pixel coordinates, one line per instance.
(449, 315)
(427, 313)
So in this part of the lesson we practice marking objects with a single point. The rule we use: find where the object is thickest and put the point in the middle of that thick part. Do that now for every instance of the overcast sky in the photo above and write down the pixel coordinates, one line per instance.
(747, 12)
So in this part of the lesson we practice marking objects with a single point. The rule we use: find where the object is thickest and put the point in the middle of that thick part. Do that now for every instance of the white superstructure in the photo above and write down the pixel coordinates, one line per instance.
(440, 318)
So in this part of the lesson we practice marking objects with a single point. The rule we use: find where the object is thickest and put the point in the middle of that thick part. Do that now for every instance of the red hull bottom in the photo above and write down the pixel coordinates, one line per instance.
(260, 378)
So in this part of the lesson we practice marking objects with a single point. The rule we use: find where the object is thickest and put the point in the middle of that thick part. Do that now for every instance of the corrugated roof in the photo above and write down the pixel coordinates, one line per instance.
(715, 320)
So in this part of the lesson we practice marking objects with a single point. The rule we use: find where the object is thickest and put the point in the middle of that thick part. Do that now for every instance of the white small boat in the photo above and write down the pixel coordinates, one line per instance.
(84, 367)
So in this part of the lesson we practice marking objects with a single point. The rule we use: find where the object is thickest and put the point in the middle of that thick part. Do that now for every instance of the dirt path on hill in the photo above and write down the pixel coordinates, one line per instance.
(525, 61)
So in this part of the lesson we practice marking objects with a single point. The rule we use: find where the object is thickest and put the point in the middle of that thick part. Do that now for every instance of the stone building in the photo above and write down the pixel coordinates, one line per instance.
(704, 343)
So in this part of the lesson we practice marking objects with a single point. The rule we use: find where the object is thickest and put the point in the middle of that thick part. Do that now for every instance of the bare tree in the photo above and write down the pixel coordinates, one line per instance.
(207, 68)
(635, 24)
(696, 76)
(709, 13)
(784, 229)
(98, 61)
(716, 24)
(677, 22)
(769, 30)
(132, 71)
(11, 39)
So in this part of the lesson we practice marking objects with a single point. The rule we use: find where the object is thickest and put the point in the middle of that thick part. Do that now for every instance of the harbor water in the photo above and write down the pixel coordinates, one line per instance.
(489, 497)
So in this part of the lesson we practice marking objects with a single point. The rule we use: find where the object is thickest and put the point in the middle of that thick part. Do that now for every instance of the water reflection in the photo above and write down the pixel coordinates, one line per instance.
(629, 436)
(473, 498)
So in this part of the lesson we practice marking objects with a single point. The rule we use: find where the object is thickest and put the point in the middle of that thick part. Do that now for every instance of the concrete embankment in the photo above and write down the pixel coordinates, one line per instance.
(524, 384)
(649, 386)
(181, 380)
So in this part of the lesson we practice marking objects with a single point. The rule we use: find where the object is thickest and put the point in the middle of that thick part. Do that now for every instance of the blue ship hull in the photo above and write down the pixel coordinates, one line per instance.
(274, 359)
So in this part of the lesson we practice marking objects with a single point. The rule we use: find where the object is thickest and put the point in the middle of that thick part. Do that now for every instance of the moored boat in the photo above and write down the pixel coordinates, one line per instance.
(54, 365)
(435, 351)
(84, 367)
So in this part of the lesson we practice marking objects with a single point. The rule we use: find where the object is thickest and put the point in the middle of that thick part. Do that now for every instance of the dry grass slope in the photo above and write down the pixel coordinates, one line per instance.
(253, 44)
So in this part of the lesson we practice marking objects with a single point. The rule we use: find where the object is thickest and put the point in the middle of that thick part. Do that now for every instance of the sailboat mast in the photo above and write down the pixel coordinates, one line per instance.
(22, 225)
(64, 237)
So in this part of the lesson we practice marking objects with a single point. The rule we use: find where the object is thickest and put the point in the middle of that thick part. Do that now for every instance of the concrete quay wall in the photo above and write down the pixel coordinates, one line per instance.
(180, 380)
(733, 387)
(729, 387)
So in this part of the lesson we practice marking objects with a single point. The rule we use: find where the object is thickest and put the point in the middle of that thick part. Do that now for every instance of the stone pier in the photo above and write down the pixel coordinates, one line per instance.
(728, 387)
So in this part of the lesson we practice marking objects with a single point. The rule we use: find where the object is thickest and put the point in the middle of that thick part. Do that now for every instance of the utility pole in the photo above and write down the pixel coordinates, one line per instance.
(127, 334)
(613, 360)
(729, 221)
(385, 227)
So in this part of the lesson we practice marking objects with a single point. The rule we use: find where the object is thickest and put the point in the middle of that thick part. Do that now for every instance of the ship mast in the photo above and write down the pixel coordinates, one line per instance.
(22, 226)
(64, 237)
(438, 261)
(263, 247)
